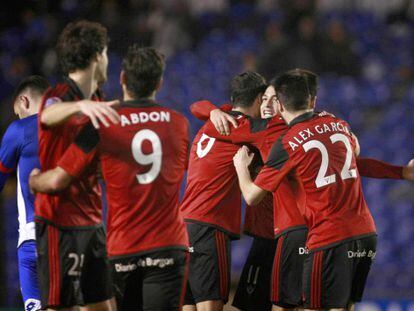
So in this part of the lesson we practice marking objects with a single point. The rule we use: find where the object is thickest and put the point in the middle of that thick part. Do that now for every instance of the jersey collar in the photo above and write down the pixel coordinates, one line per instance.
(74, 87)
(142, 102)
(302, 118)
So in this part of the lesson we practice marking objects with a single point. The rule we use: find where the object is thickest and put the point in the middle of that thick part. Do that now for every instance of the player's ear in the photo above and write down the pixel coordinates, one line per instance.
(122, 78)
(159, 84)
(312, 103)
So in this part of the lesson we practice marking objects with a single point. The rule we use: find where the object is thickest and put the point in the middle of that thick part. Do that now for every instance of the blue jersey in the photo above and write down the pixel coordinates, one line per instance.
(18, 152)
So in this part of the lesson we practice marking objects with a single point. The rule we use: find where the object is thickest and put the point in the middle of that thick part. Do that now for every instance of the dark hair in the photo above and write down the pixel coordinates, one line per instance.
(79, 43)
(295, 87)
(143, 68)
(245, 87)
(37, 84)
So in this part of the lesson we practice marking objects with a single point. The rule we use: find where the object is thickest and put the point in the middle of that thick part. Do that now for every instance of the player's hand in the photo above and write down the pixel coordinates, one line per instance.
(33, 173)
(243, 157)
(221, 121)
(408, 171)
(100, 112)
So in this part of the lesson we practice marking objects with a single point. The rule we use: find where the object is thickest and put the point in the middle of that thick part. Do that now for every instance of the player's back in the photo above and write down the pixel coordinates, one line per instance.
(144, 159)
(79, 204)
(212, 195)
(322, 150)
(19, 153)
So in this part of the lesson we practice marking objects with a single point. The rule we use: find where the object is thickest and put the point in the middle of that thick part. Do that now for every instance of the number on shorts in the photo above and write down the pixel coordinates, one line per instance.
(154, 158)
(346, 172)
(202, 152)
(76, 269)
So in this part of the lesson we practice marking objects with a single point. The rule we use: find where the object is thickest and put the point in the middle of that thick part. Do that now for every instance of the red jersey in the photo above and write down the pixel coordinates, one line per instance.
(320, 150)
(212, 195)
(143, 160)
(288, 200)
(80, 204)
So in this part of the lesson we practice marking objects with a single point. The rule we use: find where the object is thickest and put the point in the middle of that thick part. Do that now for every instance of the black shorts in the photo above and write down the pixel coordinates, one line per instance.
(336, 276)
(154, 281)
(287, 270)
(253, 290)
(73, 266)
(209, 273)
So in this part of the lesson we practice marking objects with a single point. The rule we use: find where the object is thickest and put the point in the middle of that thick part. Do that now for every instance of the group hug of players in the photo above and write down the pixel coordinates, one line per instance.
(297, 169)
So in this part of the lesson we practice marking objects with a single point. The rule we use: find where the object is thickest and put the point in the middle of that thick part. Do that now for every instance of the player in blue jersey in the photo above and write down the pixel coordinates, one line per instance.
(18, 152)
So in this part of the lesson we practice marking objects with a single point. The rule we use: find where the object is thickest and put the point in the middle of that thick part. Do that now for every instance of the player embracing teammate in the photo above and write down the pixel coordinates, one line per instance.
(143, 158)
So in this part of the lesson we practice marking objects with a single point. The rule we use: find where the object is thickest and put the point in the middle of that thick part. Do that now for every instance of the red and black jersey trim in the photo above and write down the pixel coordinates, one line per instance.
(356, 237)
(149, 251)
(232, 235)
(278, 156)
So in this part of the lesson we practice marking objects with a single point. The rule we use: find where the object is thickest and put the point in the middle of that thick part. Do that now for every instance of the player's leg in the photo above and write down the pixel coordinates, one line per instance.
(58, 278)
(29, 282)
(189, 303)
(366, 248)
(106, 305)
(127, 283)
(253, 290)
(164, 278)
(331, 272)
(93, 269)
(288, 270)
(209, 271)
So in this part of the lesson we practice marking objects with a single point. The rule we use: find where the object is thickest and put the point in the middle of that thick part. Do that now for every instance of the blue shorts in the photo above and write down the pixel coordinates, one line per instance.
(28, 275)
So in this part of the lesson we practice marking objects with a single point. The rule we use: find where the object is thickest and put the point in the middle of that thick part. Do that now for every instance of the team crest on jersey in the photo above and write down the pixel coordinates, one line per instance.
(32, 304)
(51, 101)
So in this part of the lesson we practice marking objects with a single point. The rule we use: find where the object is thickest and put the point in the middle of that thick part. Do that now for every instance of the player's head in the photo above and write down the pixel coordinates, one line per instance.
(268, 108)
(142, 71)
(83, 45)
(296, 90)
(28, 96)
(246, 90)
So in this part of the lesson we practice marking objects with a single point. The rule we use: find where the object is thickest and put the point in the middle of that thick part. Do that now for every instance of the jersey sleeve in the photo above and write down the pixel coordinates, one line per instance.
(201, 109)
(9, 152)
(377, 169)
(277, 166)
(81, 152)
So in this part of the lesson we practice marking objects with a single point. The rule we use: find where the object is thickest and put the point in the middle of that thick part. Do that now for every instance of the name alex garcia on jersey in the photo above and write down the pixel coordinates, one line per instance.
(304, 135)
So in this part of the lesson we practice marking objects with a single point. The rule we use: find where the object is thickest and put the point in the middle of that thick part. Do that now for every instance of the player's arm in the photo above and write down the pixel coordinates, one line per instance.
(57, 112)
(73, 163)
(373, 168)
(51, 181)
(9, 152)
(252, 194)
(205, 110)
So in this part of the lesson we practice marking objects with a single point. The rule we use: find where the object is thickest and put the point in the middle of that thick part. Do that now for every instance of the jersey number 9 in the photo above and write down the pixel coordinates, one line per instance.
(154, 158)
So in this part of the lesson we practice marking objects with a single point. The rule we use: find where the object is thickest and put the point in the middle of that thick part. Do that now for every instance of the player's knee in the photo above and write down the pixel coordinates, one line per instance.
(189, 308)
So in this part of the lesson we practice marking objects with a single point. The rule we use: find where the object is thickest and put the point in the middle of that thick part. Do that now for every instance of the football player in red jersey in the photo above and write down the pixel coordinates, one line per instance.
(319, 151)
(289, 256)
(143, 159)
(211, 205)
(72, 259)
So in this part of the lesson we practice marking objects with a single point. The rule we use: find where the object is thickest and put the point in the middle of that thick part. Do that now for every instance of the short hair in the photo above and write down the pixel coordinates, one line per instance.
(245, 87)
(143, 68)
(295, 87)
(35, 83)
(79, 43)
